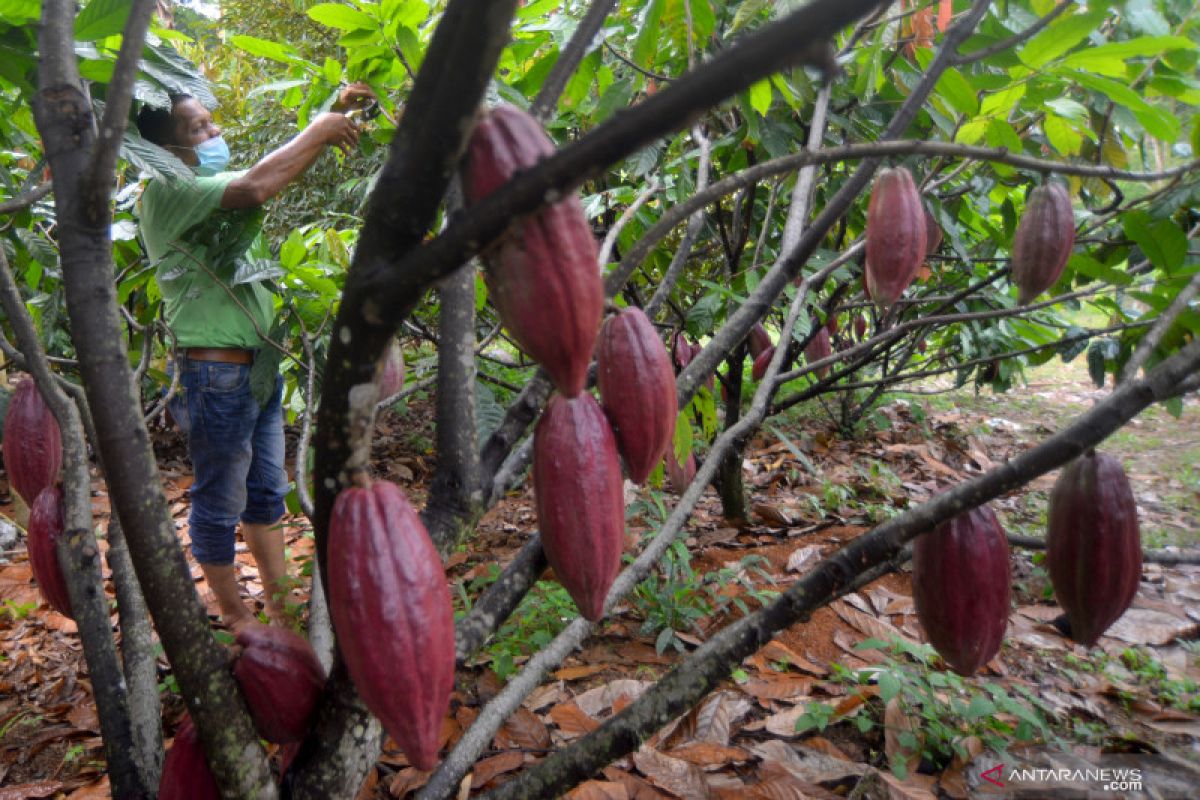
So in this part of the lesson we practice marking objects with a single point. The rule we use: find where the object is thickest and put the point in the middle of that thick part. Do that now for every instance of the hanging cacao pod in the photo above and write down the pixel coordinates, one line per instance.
(281, 679)
(580, 500)
(1043, 241)
(679, 476)
(860, 327)
(637, 390)
(1093, 545)
(543, 275)
(759, 340)
(681, 349)
(32, 442)
(962, 585)
(819, 347)
(185, 772)
(45, 528)
(392, 614)
(710, 382)
(831, 325)
(895, 235)
(933, 233)
(761, 363)
(391, 370)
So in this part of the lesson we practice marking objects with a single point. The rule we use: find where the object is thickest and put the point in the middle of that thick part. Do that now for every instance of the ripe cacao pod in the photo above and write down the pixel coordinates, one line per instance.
(933, 233)
(185, 772)
(281, 679)
(637, 390)
(32, 442)
(543, 275)
(831, 325)
(392, 613)
(1043, 241)
(819, 347)
(681, 349)
(391, 370)
(45, 528)
(761, 363)
(962, 585)
(710, 382)
(680, 476)
(895, 235)
(759, 340)
(580, 500)
(860, 327)
(1093, 546)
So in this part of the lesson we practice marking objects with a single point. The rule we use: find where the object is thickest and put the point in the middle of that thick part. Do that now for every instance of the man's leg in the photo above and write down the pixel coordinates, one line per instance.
(222, 580)
(266, 545)
(266, 488)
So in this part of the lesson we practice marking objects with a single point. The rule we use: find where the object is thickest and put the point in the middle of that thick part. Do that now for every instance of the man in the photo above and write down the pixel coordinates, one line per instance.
(202, 234)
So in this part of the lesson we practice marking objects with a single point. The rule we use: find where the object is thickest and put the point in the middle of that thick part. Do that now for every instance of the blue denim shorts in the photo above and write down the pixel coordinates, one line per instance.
(237, 454)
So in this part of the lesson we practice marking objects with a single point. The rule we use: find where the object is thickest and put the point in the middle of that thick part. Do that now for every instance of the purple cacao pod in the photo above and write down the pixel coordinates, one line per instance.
(1043, 241)
(1093, 545)
(390, 374)
(45, 529)
(281, 679)
(681, 349)
(933, 233)
(393, 616)
(637, 390)
(895, 235)
(758, 340)
(580, 500)
(819, 347)
(32, 442)
(185, 772)
(679, 476)
(962, 586)
(761, 363)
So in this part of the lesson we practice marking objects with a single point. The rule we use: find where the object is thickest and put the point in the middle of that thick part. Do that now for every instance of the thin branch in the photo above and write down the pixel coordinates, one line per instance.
(1166, 557)
(1163, 324)
(23, 201)
(691, 233)
(629, 62)
(610, 238)
(569, 57)
(1006, 45)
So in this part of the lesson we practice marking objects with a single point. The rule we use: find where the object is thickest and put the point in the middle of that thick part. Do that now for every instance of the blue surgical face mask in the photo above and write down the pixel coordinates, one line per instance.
(213, 154)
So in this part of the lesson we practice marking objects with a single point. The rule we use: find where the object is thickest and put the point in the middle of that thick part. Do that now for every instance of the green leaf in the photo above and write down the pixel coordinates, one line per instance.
(1084, 264)
(1162, 241)
(18, 12)
(1157, 122)
(151, 158)
(747, 12)
(683, 438)
(344, 18)
(1145, 16)
(760, 97)
(1145, 46)
(1174, 407)
(101, 18)
(1061, 36)
(647, 42)
(958, 92)
(1062, 135)
(889, 686)
(1095, 360)
(264, 48)
(1001, 103)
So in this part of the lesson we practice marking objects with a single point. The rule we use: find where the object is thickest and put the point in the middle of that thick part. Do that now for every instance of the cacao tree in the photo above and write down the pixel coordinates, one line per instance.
(679, 125)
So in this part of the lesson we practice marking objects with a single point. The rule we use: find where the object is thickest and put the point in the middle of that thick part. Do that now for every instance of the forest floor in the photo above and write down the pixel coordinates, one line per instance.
(846, 704)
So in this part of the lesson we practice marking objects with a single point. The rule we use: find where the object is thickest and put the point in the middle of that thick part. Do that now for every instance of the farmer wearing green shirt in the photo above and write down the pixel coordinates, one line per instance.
(204, 235)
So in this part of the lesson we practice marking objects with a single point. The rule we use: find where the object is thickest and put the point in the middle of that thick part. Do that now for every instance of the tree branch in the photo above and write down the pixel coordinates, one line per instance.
(1163, 324)
(1005, 45)
(569, 58)
(23, 201)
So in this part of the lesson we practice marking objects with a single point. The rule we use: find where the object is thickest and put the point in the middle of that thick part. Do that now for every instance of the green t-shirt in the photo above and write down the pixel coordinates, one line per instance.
(212, 264)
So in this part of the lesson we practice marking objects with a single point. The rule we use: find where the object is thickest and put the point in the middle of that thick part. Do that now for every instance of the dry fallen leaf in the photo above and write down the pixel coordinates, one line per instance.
(915, 787)
(523, 729)
(783, 687)
(488, 768)
(808, 766)
(598, 790)
(572, 721)
(599, 701)
(896, 721)
(709, 756)
(672, 774)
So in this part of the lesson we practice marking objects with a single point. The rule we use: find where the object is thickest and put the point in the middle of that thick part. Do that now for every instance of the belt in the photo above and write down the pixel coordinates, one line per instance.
(227, 355)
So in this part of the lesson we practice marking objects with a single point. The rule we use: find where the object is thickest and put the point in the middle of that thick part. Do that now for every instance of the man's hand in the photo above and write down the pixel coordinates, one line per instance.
(335, 130)
(356, 95)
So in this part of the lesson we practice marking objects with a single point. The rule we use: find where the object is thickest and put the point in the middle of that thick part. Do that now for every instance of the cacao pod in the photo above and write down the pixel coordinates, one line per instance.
(895, 235)
(761, 363)
(1043, 241)
(637, 390)
(682, 350)
(860, 327)
(680, 476)
(543, 275)
(819, 347)
(580, 500)
(933, 233)
(185, 772)
(759, 340)
(962, 586)
(45, 528)
(710, 382)
(1093, 546)
(831, 325)
(281, 679)
(391, 370)
(32, 442)
(393, 616)
(921, 347)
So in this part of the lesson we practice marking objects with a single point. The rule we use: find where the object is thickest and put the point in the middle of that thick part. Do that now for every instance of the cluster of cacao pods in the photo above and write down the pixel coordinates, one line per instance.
(1043, 241)
(1093, 545)
(281, 679)
(897, 237)
(543, 276)
(33, 457)
(392, 613)
(962, 587)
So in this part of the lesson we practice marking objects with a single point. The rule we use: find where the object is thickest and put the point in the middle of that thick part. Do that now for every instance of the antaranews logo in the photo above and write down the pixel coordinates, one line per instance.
(994, 775)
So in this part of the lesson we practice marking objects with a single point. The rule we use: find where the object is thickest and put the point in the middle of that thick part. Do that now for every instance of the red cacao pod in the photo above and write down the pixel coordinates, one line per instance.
(580, 501)
(391, 370)
(895, 235)
(185, 772)
(543, 275)
(281, 679)
(45, 528)
(637, 390)
(819, 347)
(1093, 546)
(1043, 241)
(681, 350)
(32, 442)
(933, 233)
(860, 327)
(921, 346)
(392, 614)
(831, 325)
(962, 586)
(758, 340)
(761, 363)
(679, 476)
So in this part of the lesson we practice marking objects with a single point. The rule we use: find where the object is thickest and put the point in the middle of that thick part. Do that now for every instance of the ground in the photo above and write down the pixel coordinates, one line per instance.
(814, 714)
